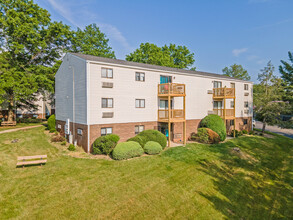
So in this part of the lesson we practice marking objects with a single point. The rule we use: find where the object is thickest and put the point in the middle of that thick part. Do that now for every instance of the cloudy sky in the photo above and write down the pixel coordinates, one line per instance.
(220, 33)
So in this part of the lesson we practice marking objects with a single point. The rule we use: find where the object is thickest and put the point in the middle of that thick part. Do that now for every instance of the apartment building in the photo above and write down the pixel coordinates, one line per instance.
(97, 96)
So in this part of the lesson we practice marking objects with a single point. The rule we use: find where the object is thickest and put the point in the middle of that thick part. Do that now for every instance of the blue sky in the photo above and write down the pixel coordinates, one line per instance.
(219, 32)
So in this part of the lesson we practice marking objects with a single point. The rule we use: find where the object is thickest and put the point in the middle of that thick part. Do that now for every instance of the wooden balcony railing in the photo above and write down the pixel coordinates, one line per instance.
(220, 112)
(171, 89)
(224, 92)
(175, 114)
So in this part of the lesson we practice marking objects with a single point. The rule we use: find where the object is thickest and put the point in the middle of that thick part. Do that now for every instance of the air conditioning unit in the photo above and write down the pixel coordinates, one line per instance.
(246, 111)
(108, 115)
(107, 85)
(246, 93)
(210, 91)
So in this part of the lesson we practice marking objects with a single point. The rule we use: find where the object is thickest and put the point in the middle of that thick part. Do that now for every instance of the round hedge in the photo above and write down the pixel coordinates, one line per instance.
(152, 147)
(139, 139)
(105, 144)
(215, 123)
(126, 150)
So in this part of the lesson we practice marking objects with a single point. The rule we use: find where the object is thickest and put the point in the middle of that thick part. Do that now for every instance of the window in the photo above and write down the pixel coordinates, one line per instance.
(245, 104)
(232, 104)
(217, 84)
(218, 104)
(232, 85)
(164, 104)
(138, 129)
(231, 122)
(245, 86)
(139, 103)
(79, 131)
(165, 79)
(245, 121)
(105, 131)
(107, 103)
(139, 77)
(107, 73)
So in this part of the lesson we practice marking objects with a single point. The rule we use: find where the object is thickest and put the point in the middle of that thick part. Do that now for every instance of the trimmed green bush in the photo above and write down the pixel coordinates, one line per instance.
(150, 135)
(203, 135)
(71, 147)
(52, 123)
(215, 123)
(152, 147)
(53, 130)
(244, 132)
(126, 150)
(139, 139)
(105, 144)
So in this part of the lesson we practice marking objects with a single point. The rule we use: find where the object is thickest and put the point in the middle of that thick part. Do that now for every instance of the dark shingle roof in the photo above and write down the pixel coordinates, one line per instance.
(150, 66)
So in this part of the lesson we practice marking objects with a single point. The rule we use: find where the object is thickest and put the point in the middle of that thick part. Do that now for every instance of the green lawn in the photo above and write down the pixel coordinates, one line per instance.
(196, 182)
(19, 125)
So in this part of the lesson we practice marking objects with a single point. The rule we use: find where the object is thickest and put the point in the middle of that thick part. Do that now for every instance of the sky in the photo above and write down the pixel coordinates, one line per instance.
(218, 32)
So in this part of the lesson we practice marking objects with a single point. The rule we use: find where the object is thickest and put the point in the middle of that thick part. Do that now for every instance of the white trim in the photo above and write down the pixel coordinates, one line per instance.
(88, 104)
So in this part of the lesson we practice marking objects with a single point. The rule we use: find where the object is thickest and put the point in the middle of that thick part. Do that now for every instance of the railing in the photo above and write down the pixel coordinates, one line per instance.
(224, 92)
(175, 114)
(220, 112)
(171, 89)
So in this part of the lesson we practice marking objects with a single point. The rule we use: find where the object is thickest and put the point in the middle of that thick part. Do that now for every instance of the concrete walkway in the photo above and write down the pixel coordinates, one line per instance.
(18, 129)
(276, 129)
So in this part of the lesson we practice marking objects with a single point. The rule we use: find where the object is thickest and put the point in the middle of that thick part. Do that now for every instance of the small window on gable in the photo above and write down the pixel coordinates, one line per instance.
(107, 73)
(105, 131)
(138, 129)
(139, 77)
(245, 86)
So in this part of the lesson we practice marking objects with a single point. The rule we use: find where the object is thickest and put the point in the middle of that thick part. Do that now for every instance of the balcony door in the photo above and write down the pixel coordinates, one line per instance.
(218, 104)
(164, 104)
(165, 79)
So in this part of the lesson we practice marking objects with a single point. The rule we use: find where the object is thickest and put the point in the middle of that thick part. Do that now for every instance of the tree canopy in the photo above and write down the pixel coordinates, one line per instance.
(236, 71)
(168, 55)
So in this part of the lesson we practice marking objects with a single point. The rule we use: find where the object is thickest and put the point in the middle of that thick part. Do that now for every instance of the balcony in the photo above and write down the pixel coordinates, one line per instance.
(229, 113)
(177, 115)
(171, 89)
(223, 93)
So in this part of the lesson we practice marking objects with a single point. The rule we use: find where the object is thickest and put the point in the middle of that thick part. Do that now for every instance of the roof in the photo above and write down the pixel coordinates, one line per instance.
(150, 66)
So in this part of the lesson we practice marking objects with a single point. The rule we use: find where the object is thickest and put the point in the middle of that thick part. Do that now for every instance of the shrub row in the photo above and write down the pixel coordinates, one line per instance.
(28, 120)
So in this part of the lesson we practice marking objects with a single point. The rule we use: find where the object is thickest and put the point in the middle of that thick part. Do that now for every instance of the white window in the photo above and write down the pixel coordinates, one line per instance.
(138, 129)
(245, 86)
(107, 103)
(217, 84)
(79, 131)
(218, 104)
(107, 73)
(139, 77)
(105, 131)
(139, 103)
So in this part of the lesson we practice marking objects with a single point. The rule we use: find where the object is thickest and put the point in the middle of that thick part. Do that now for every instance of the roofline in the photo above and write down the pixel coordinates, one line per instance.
(149, 67)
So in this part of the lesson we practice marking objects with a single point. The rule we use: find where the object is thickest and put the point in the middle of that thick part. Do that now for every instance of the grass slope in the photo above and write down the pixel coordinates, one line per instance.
(196, 182)
(19, 125)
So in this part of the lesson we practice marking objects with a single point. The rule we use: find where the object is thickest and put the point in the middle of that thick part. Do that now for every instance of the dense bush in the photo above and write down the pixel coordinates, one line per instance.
(71, 147)
(215, 123)
(126, 150)
(244, 132)
(237, 133)
(150, 135)
(28, 120)
(63, 143)
(105, 144)
(57, 138)
(214, 138)
(52, 123)
(203, 136)
(152, 147)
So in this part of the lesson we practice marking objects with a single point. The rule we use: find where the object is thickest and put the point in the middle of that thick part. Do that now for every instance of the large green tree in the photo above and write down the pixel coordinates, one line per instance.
(30, 45)
(168, 55)
(236, 71)
(91, 41)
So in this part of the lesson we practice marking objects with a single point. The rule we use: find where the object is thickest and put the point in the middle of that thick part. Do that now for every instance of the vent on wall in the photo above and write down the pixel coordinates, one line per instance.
(108, 115)
(210, 91)
(107, 85)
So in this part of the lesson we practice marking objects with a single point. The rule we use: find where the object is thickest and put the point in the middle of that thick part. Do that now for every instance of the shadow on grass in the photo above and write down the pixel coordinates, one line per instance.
(258, 187)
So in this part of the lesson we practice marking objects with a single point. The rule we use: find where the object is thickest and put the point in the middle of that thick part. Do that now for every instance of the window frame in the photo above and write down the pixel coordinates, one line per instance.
(246, 87)
(107, 104)
(218, 82)
(231, 123)
(138, 127)
(79, 131)
(233, 87)
(232, 106)
(221, 106)
(107, 75)
(139, 76)
(140, 103)
(245, 121)
(106, 133)
(246, 104)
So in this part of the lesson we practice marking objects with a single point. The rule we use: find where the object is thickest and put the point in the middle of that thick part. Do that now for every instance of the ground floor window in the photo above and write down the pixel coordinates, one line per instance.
(79, 131)
(245, 121)
(231, 122)
(105, 131)
(138, 129)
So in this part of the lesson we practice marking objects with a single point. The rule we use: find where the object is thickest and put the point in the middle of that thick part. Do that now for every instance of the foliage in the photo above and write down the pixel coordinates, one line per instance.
(244, 131)
(150, 135)
(57, 138)
(105, 144)
(139, 139)
(215, 123)
(152, 147)
(91, 41)
(126, 150)
(170, 56)
(63, 143)
(203, 136)
(71, 147)
(28, 120)
(236, 71)
(52, 122)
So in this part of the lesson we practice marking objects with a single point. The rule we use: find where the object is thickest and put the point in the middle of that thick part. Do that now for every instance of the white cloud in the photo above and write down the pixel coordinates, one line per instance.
(237, 52)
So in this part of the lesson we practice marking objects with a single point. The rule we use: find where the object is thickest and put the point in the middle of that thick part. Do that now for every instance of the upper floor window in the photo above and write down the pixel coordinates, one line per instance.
(139, 103)
(165, 79)
(232, 104)
(107, 103)
(217, 84)
(105, 131)
(245, 104)
(139, 77)
(232, 85)
(107, 73)
(138, 129)
(218, 104)
(245, 86)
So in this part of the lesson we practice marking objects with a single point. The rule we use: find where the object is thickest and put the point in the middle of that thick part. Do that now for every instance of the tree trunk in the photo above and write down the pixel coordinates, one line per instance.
(264, 125)
(10, 108)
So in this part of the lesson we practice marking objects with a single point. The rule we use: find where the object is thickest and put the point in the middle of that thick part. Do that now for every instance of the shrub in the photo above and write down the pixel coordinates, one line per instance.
(28, 120)
(126, 150)
(244, 132)
(57, 138)
(215, 123)
(105, 144)
(71, 147)
(63, 143)
(53, 130)
(52, 122)
(214, 138)
(237, 133)
(153, 135)
(251, 132)
(203, 136)
(139, 139)
(152, 147)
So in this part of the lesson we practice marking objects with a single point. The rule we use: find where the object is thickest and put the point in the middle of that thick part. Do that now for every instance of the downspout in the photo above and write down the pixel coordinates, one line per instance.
(87, 105)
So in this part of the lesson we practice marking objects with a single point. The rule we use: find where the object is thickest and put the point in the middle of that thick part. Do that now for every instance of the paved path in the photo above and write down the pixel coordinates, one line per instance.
(18, 129)
(276, 129)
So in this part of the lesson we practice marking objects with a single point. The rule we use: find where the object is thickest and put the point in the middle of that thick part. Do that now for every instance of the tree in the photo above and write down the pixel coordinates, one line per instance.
(268, 97)
(30, 45)
(170, 56)
(236, 71)
(91, 41)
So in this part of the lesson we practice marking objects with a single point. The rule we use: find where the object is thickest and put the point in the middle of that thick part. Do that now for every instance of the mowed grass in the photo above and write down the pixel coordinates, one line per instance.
(193, 182)
(18, 125)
